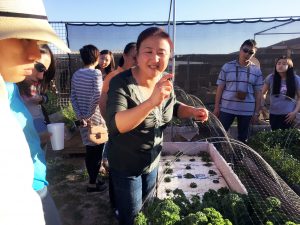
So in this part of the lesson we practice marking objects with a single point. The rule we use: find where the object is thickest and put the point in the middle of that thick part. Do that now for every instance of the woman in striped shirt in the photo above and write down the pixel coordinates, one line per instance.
(85, 95)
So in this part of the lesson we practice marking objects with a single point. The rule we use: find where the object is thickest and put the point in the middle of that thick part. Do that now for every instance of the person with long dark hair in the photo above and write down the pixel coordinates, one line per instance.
(33, 91)
(106, 62)
(284, 87)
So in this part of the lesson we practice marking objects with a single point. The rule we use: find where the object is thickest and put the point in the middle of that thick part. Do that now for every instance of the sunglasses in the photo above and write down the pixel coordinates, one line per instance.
(40, 67)
(249, 51)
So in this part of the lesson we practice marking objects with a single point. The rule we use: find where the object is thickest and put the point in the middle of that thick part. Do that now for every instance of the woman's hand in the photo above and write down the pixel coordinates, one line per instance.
(290, 117)
(162, 90)
(200, 114)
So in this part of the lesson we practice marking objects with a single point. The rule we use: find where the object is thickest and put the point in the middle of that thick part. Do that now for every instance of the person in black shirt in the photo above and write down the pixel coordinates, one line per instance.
(141, 102)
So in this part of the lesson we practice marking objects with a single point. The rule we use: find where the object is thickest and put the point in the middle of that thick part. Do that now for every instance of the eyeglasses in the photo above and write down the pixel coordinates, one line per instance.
(249, 51)
(40, 67)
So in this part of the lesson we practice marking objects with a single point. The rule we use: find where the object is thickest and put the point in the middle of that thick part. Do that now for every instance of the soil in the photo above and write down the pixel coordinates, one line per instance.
(68, 178)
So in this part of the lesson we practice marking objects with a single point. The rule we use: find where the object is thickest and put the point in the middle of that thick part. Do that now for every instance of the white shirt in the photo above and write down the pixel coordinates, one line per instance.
(19, 203)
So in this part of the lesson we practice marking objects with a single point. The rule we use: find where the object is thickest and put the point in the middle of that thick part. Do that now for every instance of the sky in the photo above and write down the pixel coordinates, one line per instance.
(205, 38)
(158, 10)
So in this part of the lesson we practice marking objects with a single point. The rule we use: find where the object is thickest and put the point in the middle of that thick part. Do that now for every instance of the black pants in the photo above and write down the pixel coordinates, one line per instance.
(277, 122)
(93, 159)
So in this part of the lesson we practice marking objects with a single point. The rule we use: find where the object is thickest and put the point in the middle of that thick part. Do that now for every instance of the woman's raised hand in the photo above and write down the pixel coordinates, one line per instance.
(162, 90)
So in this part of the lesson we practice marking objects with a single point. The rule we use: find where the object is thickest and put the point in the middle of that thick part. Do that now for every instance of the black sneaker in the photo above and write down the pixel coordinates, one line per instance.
(98, 188)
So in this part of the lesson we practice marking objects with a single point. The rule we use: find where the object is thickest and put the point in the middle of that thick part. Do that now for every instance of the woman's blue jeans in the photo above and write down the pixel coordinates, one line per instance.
(130, 192)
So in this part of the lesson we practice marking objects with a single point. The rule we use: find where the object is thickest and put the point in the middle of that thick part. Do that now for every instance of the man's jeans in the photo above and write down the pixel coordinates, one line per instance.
(243, 124)
(130, 192)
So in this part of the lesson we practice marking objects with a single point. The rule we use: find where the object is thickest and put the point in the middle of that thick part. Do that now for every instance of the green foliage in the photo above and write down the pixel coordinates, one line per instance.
(52, 106)
(140, 219)
(270, 145)
(166, 213)
(214, 208)
(214, 217)
(199, 218)
(69, 115)
(288, 140)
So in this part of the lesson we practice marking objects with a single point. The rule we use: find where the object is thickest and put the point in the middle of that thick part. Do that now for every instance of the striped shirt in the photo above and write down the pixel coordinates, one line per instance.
(85, 95)
(239, 81)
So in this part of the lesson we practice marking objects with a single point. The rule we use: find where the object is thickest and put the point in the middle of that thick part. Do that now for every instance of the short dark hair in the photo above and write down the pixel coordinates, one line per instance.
(127, 49)
(250, 42)
(151, 32)
(89, 54)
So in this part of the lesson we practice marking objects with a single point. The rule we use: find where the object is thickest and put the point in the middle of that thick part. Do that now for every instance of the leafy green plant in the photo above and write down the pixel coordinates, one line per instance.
(272, 146)
(69, 115)
(52, 105)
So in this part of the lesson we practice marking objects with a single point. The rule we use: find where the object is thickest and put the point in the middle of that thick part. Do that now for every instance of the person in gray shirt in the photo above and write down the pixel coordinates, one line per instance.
(284, 87)
(239, 91)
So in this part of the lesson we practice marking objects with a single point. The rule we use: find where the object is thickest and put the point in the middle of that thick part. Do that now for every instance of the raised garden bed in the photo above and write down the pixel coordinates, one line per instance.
(197, 170)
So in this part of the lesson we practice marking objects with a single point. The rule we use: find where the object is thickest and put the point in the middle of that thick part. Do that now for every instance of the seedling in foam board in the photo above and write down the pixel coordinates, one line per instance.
(212, 172)
(167, 179)
(188, 167)
(216, 181)
(192, 160)
(168, 163)
(208, 164)
(188, 176)
(193, 185)
(168, 190)
(168, 171)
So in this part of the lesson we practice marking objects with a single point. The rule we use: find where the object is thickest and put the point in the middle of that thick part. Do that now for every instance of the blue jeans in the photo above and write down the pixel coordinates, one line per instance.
(243, 124)
(130, 192)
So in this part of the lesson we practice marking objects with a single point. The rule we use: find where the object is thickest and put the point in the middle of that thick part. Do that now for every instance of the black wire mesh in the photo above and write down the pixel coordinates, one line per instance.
(259, 178)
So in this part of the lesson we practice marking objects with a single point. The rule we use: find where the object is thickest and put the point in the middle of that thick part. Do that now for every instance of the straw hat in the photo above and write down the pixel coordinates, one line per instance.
(26, 19)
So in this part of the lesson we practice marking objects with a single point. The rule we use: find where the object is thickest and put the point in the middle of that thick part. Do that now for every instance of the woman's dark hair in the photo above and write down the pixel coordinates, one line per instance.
(50, 72)
(127, 49)
(153, 32)
(89, 54)
(111, 66)
(290, 79)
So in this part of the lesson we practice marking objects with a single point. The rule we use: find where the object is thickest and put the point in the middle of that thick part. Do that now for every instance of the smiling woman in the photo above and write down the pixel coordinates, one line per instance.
(141, 102)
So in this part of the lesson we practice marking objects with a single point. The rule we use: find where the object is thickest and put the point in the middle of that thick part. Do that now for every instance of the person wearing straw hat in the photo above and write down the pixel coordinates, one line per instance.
(23, 26)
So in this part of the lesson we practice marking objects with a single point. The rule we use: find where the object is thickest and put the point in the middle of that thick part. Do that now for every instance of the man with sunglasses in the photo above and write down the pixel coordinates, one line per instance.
(239, 91)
